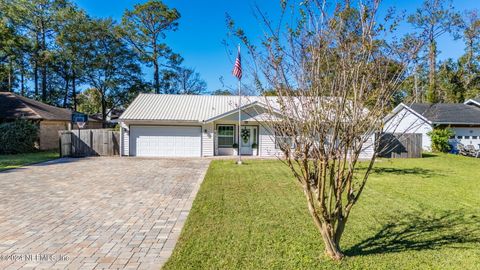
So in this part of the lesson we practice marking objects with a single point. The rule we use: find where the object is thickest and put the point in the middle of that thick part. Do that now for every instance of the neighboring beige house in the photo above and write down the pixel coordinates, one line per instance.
(157, 125)
(50, 119)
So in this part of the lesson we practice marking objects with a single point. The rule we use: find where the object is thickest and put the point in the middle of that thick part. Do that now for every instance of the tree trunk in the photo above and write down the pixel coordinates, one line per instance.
(65, 97)
(35, 77)
(35, 65)
(74, 90)
(415, 79)
(44, 82)
(339, 230)
(22, 77)
(156, 79)
(104, 109)
(10, 75)
(470, 54)
(432, 95)
(44, 65)
(330, 239)
(332, 248)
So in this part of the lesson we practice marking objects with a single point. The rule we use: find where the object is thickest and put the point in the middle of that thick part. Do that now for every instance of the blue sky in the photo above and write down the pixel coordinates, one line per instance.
(202, 30)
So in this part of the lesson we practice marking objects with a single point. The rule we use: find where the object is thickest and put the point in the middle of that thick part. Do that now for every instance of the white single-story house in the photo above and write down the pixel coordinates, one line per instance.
(157, 125)
(462, 118)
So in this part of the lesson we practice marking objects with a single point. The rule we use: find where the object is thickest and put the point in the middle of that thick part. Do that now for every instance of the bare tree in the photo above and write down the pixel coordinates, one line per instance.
(334, 74)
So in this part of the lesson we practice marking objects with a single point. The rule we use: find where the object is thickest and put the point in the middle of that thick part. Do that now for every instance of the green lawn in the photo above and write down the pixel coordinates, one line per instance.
(18, 160)
(414, 214)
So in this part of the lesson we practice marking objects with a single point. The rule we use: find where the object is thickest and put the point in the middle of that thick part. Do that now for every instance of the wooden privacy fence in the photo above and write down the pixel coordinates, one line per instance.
(89, 142)
(400, 145)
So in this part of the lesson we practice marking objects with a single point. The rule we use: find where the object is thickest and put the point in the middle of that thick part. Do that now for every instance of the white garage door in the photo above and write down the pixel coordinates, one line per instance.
(165, 141)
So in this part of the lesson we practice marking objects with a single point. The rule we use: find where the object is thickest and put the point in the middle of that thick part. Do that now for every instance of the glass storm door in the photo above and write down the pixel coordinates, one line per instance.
(248, 137)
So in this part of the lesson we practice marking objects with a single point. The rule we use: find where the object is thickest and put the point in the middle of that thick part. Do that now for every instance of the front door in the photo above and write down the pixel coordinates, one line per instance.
(248, 137)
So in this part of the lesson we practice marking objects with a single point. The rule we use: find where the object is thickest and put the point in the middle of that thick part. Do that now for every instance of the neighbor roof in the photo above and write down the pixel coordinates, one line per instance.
(448, 113)
(13, 106)
(473, 101)
(186, 107)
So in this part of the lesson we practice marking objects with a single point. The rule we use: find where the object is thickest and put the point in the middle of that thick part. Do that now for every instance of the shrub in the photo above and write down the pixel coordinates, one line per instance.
(440, 137)
(18, 137)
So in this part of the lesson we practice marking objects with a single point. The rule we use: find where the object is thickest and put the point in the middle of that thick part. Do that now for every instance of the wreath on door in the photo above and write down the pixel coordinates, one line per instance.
(245, 135)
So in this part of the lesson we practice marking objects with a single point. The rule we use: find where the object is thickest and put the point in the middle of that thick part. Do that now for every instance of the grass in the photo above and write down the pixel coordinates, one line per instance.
(18, 160)
(414, 214)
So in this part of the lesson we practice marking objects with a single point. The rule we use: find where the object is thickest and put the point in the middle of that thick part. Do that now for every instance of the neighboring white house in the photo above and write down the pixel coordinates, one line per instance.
(463, 119)
(157, 125)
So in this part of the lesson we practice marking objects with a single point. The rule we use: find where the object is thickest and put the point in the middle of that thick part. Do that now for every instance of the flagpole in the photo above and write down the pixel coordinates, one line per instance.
(239, 161)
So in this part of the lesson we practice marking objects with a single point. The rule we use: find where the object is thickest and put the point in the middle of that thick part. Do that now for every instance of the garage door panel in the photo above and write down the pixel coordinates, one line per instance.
(165, 141)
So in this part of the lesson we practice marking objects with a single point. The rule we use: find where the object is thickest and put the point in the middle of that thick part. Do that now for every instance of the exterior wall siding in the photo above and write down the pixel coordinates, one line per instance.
(368, 148)
(48, 133)
(208, 134)
(406, 122)
(125, 140)
(267, 143)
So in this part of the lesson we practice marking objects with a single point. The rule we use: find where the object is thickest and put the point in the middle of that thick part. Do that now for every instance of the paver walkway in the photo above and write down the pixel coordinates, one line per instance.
(95, 213)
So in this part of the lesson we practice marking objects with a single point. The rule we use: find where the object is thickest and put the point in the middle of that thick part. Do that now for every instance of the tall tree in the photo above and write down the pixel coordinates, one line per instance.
(415, 85)
(145, 29)
(36, 20)
(471, 60)
(71, 45)
(90, 101)
(450, 85)
(182, 81)
(222, 92)
(471, 35)
(433, 19)
(112, 68)
(8, 41)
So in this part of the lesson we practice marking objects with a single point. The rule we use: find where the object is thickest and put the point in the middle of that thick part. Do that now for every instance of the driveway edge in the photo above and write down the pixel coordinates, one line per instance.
(167, 250)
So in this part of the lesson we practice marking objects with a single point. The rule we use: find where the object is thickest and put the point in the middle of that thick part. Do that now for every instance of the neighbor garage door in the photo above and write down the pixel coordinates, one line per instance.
(165, 141)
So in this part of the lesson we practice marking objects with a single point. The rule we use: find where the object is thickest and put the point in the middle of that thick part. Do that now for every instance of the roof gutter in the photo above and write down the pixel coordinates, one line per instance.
(455, 123)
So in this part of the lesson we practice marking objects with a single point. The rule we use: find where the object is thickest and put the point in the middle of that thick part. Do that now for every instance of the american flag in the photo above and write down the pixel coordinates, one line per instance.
(237, 69)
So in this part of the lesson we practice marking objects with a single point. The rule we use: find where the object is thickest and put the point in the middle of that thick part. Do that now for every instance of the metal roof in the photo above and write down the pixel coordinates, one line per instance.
(186, 107)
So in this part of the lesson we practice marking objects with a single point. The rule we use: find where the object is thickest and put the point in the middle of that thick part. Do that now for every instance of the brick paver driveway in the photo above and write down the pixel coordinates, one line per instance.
(94, 213)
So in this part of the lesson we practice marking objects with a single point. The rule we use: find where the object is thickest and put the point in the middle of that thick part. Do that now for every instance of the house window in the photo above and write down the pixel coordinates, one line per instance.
(459, 137)
(226, 136)
(474, 137)
(467, 137)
